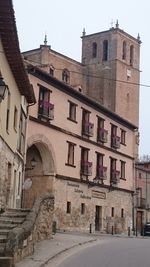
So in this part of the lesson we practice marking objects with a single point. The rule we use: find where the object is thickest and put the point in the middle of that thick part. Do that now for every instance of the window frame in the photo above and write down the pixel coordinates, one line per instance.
(15, 124)
(82, 208)
(122, 170)
(105, 50)
(94, 50)
(123, 137)
(68, 207)
(71, 150)
(72, 115)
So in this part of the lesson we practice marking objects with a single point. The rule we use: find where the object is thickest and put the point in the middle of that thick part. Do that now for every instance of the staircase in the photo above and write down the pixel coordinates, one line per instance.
(10, 219)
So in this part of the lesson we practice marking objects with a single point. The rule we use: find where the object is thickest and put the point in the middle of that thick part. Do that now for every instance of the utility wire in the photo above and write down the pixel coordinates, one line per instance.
(95, 76)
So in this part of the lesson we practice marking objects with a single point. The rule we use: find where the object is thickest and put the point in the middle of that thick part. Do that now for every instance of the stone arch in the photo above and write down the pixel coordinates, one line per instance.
(40, 177)
(46, 150)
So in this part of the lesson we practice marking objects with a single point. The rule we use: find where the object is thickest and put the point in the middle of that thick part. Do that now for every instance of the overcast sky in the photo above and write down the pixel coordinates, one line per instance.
(63, 22)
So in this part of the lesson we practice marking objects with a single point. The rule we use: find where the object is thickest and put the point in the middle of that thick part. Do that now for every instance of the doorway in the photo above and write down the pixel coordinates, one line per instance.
(139, 225)
(98, 218)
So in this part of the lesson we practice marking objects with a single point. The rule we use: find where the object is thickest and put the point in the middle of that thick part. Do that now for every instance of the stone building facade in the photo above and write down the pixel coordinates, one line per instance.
(84, 154)
(109, 71)
(142, 194)
(13, 110)
(83, 131)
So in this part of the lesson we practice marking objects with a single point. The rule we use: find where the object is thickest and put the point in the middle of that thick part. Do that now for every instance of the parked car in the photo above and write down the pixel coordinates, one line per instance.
(146, 231)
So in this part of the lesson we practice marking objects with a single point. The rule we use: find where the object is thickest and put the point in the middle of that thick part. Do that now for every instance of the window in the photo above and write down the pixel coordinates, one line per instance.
(51, 70)
(19, 185)
(70, 159)
(15, 118)
(87, 126)
(46, 108)
(122, 169)
(115, 140)
(101, 132)
(112, 212)
(105, 50)
(82, 208)
(22, 132)
(131, 54)
(8, 112)
(114, 173)
(123, 137)
(9, 175)
(72, 111)
(86, 166)
(94, 50)
(68, 207)
(124, 50)
(122, 213)
(66, 76)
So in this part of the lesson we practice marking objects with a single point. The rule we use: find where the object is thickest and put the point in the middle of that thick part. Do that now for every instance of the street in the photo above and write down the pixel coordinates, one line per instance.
(116, 252)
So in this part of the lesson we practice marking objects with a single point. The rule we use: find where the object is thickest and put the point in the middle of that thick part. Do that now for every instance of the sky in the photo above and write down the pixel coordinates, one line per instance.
(63, 23)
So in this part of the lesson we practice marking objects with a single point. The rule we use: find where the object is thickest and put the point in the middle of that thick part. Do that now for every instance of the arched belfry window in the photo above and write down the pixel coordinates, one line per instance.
(131, 54)
(94, 49)
(105, 50)
(51, 70)
(124, 48)
(66, 76)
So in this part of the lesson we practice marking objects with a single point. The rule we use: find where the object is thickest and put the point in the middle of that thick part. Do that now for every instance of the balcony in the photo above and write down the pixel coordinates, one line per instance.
(102, 172)
(141, 203)
(86, 168)
(115, 177)
(102, 135)
(88, 128)
(46, 110)
(115, 141)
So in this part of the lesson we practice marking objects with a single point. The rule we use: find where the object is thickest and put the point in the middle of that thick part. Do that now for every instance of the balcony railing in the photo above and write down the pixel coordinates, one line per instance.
(88, 128)
(102, 172)
(46, 110)
(141, 203)
(115, 141)
(102, 135)
(86, 168)
(115, 176)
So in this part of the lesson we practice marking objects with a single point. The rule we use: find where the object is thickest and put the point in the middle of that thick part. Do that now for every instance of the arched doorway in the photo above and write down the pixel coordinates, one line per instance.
(39, 170)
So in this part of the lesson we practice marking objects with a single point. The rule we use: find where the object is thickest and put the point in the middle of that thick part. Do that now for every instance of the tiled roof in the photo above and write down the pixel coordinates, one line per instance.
(9, 38)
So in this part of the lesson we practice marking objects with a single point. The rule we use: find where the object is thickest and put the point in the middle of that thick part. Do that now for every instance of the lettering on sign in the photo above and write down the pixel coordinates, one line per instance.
(85, 197)
(98, 194)
(73, 185)
(78, 190)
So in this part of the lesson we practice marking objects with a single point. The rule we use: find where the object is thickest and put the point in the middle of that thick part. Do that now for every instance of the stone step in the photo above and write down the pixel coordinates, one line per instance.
(15, 215)
(7, 225)
(17, 210)
(12, 220)
(4, 231)
(3, 239)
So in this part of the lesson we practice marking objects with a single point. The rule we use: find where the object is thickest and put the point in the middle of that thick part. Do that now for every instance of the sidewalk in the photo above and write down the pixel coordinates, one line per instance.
(48, 249)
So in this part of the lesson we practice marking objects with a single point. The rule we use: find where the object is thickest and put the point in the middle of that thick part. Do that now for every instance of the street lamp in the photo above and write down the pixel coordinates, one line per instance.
(33, 163)
(3, 88)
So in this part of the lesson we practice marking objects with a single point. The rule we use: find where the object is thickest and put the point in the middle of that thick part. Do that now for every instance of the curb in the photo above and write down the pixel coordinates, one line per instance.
(66, 249)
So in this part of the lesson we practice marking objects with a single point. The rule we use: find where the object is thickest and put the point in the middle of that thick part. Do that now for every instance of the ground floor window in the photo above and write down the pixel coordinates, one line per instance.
(68, 207)
(82, 208)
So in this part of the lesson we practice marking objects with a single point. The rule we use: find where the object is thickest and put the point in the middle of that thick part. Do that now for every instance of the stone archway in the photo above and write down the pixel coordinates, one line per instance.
(40, 178)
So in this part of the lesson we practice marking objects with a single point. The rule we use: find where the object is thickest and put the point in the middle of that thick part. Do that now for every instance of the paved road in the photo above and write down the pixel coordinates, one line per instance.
(116, 252)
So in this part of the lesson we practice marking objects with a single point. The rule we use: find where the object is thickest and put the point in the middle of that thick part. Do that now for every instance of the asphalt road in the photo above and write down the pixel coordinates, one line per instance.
(116, 252)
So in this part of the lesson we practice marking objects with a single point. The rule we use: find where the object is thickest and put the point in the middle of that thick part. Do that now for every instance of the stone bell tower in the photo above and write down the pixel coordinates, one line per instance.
(112, 70)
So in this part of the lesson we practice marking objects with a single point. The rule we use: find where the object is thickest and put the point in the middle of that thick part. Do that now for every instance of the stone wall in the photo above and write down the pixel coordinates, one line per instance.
(96, 196)
(37, 226)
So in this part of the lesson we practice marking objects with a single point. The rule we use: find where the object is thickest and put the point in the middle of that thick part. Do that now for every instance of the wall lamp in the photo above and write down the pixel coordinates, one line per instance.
(33, 163)
(3, 88)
